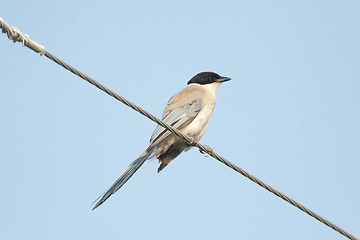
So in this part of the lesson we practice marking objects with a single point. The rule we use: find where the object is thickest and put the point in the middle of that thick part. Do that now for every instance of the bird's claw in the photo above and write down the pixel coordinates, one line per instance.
(208, 151)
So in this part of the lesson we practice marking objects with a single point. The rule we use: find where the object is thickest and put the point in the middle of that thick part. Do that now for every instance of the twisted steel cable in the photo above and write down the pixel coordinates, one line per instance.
(15, 35)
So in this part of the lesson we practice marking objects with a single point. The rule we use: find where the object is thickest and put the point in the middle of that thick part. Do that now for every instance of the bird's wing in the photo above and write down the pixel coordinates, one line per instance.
(177, 118)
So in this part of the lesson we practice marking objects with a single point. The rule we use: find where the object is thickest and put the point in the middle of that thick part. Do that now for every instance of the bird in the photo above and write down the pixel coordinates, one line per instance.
(188, 111)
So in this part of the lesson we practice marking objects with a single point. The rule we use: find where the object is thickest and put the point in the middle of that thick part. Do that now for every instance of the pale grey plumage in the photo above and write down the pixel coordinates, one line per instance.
(177, 117)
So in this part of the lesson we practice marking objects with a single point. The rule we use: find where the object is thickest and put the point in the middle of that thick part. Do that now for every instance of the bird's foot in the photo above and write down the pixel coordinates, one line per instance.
(208, 150)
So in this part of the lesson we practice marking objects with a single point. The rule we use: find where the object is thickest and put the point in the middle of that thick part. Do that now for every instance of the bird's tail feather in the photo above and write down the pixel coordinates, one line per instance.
(126, 175)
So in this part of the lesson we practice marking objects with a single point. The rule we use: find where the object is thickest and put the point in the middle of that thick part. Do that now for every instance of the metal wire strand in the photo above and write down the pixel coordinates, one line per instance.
(20, 37)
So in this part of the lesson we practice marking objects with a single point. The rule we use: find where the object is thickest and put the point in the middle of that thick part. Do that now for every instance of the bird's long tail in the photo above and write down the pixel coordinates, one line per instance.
(126, 175)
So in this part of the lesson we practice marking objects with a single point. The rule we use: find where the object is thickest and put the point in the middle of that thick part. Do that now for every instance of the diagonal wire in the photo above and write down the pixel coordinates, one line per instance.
(16, 36)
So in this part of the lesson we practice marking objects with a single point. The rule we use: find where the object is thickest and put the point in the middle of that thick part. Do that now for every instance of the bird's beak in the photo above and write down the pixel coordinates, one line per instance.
(223, 79)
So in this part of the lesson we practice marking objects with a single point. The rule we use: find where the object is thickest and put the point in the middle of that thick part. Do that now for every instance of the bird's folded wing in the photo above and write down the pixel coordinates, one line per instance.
(177, 118)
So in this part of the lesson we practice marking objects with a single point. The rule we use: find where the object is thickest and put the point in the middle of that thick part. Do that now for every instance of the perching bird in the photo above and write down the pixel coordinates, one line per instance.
(188, 111)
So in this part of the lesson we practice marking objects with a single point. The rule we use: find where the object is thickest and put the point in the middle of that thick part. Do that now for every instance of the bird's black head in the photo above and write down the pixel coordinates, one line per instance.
(208, 78)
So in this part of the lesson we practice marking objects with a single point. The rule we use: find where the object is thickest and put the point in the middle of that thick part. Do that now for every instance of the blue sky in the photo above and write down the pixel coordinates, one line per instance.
(290, 116)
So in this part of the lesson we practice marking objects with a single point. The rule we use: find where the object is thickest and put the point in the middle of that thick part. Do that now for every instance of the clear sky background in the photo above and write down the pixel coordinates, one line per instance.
(290, 116)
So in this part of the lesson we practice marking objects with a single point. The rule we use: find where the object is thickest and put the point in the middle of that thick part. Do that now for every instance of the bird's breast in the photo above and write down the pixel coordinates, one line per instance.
(198, 126)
